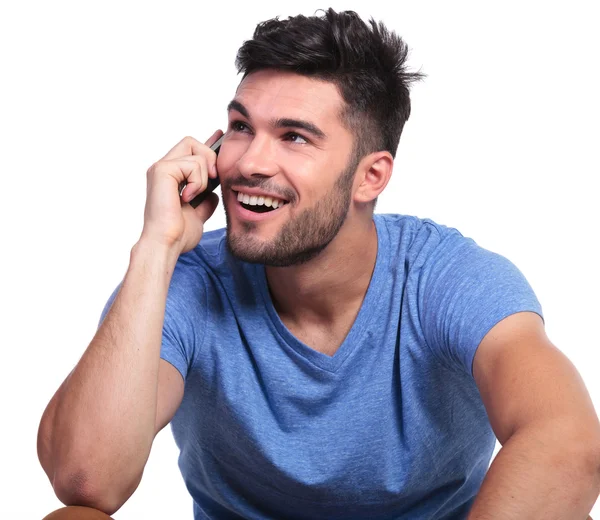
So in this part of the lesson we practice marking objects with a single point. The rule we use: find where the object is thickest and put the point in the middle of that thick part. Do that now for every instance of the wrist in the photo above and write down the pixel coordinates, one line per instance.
(148, 251)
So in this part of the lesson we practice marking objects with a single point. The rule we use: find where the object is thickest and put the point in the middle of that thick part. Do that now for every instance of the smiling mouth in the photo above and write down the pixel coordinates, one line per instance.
(259, 204)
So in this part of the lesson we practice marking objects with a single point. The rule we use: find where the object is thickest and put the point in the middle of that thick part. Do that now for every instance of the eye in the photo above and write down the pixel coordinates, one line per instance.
(293, 136)
(238, 126)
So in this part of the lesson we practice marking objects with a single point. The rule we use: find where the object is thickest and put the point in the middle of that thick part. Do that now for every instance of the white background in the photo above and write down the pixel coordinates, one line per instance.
(502, 144)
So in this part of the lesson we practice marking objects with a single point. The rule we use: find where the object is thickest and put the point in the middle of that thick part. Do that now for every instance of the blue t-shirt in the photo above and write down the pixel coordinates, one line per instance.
(391, 426)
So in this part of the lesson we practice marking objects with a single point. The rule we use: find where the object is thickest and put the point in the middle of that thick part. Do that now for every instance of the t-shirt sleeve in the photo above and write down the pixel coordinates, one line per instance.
(178, 335)
(464, 290)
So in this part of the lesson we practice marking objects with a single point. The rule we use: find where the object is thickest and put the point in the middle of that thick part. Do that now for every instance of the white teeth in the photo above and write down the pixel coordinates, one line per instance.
(259, 200)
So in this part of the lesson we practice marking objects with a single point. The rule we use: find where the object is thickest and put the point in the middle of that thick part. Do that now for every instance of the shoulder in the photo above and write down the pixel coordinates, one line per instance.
(442, 258)
(211, 250)
(208, 256)
(410, 227)
(416, 240)
(210, 272)
(195, 269)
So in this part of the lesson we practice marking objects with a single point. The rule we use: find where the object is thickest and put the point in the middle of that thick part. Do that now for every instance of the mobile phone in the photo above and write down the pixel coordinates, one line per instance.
(212, 183)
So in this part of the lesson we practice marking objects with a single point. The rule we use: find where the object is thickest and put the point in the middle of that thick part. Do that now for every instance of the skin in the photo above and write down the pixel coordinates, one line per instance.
(542, 414)
(515, 363)
(535, 399)
(312, 296)
(120, 377)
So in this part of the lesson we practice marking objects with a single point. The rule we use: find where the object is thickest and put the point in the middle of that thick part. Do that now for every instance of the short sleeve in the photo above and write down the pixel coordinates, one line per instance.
(464, 290)
(178, 335)
(183, 327)
(108, 304)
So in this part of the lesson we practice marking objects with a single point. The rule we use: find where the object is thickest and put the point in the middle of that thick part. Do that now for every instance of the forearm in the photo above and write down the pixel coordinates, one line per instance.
(103, 424)
(540, 474)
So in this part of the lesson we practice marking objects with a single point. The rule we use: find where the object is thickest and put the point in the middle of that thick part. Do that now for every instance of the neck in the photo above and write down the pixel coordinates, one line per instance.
(331, 285)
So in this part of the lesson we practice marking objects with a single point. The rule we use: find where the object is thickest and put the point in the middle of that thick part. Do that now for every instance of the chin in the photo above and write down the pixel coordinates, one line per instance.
(275, 252)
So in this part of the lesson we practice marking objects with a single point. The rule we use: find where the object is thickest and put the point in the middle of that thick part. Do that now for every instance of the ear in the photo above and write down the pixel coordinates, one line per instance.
(373, 174)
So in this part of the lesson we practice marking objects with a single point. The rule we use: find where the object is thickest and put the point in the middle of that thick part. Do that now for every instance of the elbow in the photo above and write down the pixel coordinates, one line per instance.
(585, 450)
(43, 449)
(79, 489)
(579, 459)
(593, 463)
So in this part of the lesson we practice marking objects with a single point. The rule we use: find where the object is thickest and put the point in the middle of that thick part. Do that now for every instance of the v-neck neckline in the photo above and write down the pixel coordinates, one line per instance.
(363, 318)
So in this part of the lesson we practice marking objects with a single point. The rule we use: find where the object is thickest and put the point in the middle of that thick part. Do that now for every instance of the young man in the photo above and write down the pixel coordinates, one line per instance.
(316, 360)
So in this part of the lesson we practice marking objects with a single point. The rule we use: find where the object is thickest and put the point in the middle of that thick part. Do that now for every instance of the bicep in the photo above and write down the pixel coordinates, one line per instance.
(524, 379)
(170, 394)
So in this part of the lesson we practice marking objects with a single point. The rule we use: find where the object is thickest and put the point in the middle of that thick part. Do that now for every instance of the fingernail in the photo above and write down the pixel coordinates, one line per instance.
(214, 168)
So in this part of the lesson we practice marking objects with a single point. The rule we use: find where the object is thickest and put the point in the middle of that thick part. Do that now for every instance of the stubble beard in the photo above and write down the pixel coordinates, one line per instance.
(304, 236)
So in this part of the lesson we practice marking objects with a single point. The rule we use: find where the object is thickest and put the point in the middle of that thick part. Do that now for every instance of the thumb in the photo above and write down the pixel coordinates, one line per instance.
(207, 207)
(214, 138)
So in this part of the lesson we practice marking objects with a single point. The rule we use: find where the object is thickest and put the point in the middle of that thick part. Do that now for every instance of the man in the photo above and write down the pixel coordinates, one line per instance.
(316, 360)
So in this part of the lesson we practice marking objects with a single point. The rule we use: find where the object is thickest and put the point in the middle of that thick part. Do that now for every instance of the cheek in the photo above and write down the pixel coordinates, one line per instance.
(227, 159)
(314, 180)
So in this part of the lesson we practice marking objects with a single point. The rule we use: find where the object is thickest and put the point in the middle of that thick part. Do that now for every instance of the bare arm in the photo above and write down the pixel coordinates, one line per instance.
(541, 412)
(96, 433)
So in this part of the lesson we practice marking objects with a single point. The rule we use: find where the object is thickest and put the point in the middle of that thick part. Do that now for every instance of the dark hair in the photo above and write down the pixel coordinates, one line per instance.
(366, 64)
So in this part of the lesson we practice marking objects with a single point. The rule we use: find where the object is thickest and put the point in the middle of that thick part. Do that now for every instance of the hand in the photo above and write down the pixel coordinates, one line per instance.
(168, 218)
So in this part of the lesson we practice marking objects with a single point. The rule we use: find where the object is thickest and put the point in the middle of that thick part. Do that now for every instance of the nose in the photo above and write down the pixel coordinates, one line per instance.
(258, 160)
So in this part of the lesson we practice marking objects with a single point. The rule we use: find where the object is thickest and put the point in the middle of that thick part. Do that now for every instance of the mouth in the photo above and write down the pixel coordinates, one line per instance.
(259, 203)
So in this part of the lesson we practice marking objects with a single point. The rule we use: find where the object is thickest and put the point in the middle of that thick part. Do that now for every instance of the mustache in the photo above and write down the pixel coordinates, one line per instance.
(261, 183)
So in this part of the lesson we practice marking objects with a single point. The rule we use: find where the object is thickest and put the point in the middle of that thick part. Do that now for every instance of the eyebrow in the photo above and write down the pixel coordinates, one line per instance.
(281, 122)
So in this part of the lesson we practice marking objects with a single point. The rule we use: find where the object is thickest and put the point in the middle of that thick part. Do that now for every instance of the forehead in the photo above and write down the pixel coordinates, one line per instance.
(269, 93)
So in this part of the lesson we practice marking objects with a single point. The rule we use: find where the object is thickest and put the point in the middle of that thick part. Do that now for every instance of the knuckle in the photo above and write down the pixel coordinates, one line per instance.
(198, 164)
(202, 181)
(153, 170)
(202, 161)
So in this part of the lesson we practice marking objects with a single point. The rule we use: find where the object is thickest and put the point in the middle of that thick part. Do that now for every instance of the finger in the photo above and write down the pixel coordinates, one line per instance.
(212, 171)
(207, 163)
(207, 207)
(190, 146)
(199, 152)
(187, 146)
(214, 138)
(197, 182)
(190, 174)
(190, 187)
